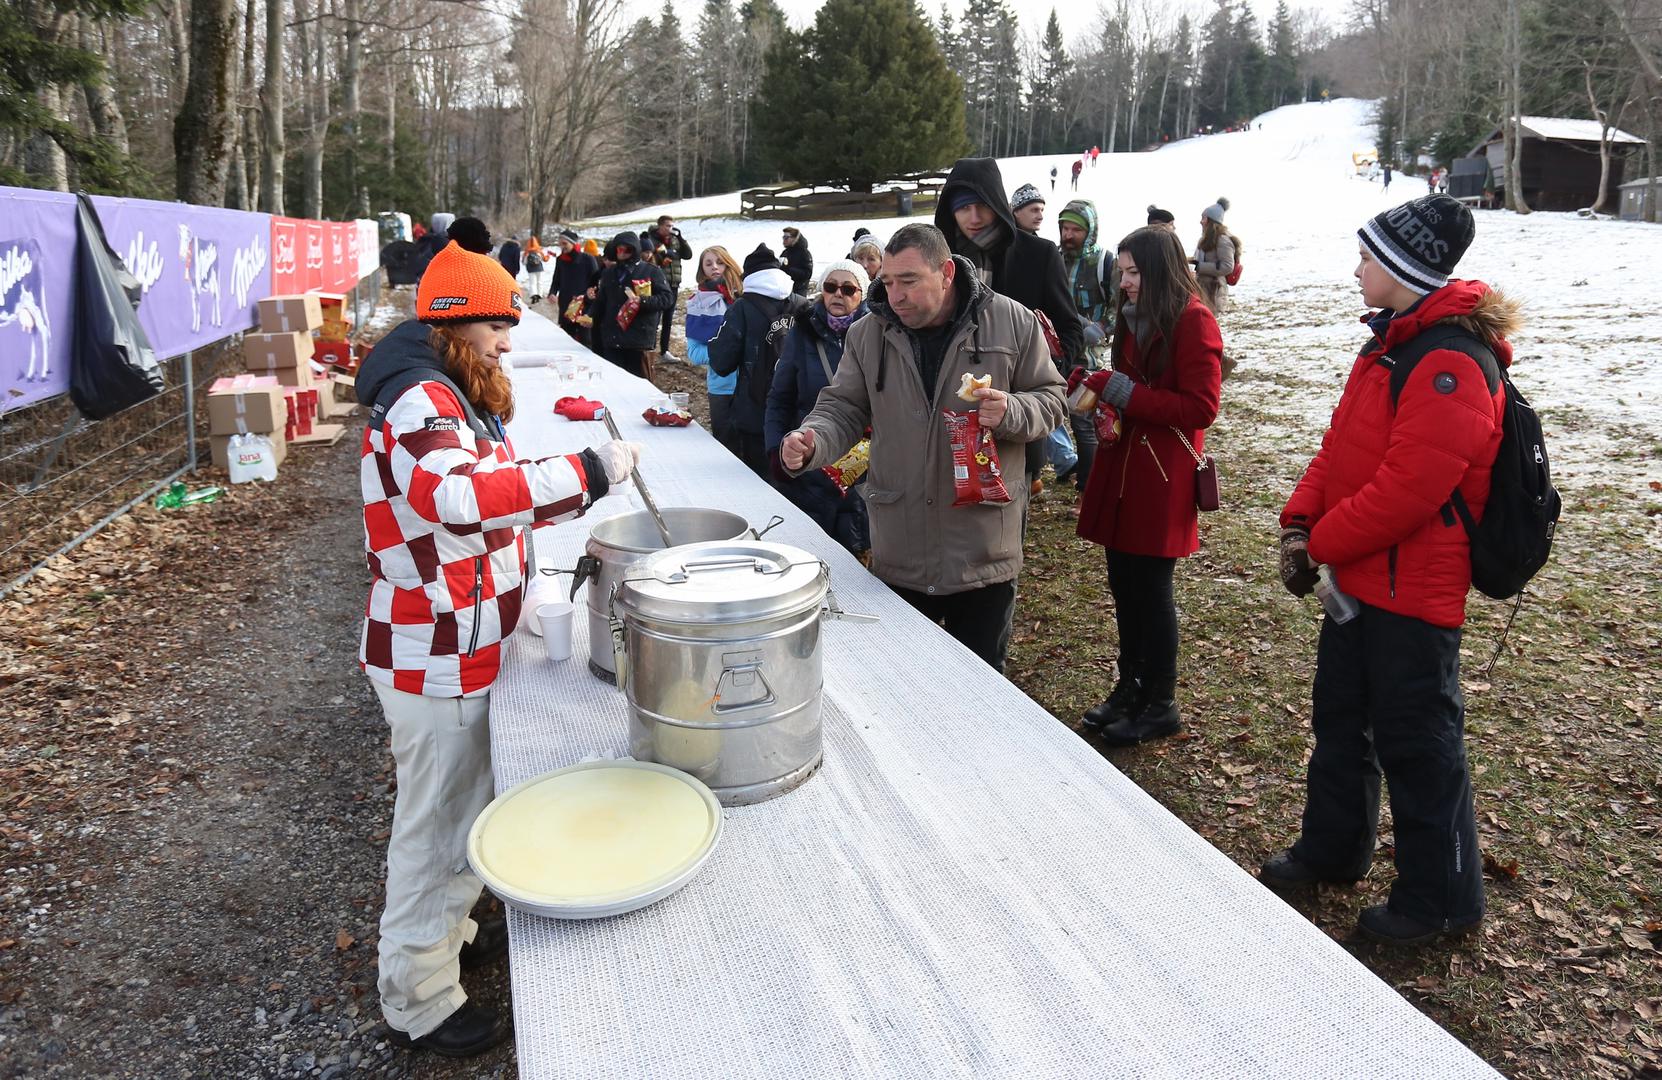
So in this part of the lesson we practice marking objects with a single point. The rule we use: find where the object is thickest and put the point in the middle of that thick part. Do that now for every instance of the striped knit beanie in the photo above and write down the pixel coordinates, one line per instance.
(460, 286)
(1419, 242)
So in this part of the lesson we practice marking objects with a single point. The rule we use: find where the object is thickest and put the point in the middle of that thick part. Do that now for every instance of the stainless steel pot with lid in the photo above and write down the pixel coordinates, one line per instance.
(718, 653)
(619, 542)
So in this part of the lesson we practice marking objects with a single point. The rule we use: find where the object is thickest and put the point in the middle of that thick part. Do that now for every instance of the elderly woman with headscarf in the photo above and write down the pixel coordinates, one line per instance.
(808, 364)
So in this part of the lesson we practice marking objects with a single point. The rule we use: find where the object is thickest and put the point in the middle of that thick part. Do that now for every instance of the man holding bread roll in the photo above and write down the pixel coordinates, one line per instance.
(938, 334)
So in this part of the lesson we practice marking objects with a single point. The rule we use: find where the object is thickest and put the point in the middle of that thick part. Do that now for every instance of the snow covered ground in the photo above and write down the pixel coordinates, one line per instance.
(1590, 356)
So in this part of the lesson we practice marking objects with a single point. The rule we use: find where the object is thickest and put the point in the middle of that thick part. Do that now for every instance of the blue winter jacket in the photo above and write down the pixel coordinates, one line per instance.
(800, 376)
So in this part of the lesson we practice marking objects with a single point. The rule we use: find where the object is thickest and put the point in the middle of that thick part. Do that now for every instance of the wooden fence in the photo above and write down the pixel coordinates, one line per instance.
(901, 196)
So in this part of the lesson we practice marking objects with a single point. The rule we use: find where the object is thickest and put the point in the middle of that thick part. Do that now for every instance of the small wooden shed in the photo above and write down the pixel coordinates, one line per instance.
(1560, 160)
(1639, 194)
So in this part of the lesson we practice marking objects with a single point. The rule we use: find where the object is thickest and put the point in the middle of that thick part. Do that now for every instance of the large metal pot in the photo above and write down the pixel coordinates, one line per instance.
(719, 655)
(620, 542)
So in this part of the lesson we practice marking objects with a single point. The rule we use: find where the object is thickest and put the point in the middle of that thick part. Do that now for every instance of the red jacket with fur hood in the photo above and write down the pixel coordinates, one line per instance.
(1375, 497)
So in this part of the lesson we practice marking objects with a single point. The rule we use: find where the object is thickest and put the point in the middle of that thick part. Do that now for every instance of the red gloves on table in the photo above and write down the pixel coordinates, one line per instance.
(579, 408)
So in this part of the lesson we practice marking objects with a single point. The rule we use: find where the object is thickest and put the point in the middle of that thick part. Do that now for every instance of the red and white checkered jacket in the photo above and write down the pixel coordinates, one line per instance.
(443, 517)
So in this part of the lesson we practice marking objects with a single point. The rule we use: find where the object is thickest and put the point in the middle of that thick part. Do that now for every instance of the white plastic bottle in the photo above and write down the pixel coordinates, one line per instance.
(1340, 607)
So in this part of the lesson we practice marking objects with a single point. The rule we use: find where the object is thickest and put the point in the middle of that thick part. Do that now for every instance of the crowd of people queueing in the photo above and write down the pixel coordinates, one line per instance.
(1110, 361)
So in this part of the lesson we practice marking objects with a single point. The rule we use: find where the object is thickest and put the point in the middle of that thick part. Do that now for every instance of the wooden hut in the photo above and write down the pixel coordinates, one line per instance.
(1560, 160)
(1638, 196)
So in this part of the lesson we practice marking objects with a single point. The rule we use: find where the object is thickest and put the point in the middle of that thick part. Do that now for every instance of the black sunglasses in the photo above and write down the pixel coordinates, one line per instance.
(847, 288)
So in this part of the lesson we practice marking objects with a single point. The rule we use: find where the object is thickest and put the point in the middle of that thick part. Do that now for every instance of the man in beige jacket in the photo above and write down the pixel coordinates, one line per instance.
(933, 321)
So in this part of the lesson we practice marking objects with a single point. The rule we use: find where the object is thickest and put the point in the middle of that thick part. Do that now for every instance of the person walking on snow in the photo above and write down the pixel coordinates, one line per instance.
(797, 260)
(1375, 507)
(447, 510)
(1078, 166)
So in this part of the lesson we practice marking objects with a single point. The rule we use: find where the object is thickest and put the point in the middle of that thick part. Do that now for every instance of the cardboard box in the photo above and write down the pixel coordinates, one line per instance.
(338, 353)
(287, 314)
(219, 447)
(336, 398)
(302, 411)
(335, 330)
(258, 410)
(267, 354)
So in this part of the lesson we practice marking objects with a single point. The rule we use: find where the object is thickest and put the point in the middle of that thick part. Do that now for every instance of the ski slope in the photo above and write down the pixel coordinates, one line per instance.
(1590, 355)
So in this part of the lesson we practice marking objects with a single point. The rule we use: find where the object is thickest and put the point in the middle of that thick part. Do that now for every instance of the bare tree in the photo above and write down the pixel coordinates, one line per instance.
(202, 130)
(566, 52)
(271, 108)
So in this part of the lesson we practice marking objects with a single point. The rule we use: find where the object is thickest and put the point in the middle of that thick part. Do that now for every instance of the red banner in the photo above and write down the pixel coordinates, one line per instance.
(314, 256)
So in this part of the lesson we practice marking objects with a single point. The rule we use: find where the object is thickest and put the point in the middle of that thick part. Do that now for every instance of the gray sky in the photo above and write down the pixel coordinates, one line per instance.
(1077, 16)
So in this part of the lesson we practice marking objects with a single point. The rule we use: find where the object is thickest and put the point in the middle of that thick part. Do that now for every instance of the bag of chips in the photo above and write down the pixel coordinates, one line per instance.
(976, 474)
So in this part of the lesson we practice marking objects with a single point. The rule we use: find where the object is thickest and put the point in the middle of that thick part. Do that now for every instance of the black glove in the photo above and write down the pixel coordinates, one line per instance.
(1298, 573)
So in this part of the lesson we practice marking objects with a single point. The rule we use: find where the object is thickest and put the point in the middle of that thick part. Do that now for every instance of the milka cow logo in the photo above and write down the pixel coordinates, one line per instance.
(246, 264)
(201, 265)
(23, 304)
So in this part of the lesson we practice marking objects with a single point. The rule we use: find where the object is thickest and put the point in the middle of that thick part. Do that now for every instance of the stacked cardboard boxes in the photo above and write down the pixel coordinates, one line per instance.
(283, 352)
(246, 404)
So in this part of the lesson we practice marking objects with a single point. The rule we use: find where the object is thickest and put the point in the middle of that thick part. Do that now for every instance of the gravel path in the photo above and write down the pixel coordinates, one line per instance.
(195, 793)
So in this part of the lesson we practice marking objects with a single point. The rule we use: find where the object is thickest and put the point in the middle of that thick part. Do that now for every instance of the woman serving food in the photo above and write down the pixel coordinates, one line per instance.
(446, 508)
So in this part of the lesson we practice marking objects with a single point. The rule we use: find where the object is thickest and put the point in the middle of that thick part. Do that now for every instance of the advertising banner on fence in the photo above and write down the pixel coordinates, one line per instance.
(202, 269)
(37, 295)
(369, 246)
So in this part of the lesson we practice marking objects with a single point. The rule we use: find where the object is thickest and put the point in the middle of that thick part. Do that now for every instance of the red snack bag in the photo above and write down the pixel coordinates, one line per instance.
(976, 474)
(665, 419)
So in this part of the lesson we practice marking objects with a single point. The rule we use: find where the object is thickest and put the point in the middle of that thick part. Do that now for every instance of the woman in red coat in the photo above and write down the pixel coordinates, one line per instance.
(1161, 394)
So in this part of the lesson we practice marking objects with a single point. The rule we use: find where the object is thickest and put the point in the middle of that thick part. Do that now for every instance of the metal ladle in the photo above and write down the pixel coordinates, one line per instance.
(640, 485)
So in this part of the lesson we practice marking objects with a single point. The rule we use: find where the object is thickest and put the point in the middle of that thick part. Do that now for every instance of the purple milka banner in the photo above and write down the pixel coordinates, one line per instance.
(202, 269)
(37, 294)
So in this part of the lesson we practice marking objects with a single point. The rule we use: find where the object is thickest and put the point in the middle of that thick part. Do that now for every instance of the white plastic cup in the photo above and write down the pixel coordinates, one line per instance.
(680, 400)
(556, 621)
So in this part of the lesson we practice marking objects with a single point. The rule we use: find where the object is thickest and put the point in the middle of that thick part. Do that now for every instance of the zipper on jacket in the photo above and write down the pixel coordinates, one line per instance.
(1391, 570)
(478, 595)
(1150, 448)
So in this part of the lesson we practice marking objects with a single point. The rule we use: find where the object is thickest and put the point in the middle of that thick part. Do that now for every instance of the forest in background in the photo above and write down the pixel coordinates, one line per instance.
(538, 111)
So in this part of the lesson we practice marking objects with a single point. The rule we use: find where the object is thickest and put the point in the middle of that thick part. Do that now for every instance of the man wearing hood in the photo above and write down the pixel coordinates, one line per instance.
(573, 270)
(749, 343)
(976, 218)
(933, 323)
(627, 347)
(1092, 297)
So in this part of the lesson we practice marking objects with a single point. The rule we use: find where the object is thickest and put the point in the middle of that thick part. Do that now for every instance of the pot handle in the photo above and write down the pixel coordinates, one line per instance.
(587, 567)
(620, 643)
(773, 523)
(834, 610)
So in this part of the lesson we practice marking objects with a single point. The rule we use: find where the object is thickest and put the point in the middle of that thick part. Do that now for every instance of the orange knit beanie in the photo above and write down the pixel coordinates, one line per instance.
(460, 286)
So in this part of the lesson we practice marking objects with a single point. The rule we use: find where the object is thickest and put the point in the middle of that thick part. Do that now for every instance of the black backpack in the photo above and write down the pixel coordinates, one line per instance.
(1513, 540)
(533, 262)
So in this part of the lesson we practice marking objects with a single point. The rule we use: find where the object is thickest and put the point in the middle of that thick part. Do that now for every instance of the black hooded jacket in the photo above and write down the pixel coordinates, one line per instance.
(643, 332)
(1026, 268)
(799, 264)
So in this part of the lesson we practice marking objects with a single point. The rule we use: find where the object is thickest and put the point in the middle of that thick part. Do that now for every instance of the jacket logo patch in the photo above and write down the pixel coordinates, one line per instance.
(1444, 383)
(445, 303)
(444, 423)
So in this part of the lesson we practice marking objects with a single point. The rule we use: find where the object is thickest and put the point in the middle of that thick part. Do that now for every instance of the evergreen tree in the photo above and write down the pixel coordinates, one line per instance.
(1282, 84)
(1049, 87)
(811, 113)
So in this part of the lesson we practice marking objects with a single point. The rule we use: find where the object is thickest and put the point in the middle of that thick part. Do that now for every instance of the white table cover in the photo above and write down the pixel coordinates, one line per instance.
(966, 888)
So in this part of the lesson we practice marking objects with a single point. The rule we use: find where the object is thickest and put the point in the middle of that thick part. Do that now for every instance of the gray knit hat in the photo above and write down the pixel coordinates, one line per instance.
(1215, 211)
(1024, 195)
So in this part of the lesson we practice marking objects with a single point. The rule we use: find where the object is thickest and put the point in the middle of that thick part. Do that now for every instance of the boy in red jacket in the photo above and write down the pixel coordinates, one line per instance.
(1373, 506)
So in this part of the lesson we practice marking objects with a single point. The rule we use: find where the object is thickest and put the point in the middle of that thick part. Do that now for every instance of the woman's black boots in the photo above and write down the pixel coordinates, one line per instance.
(1154, 717)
